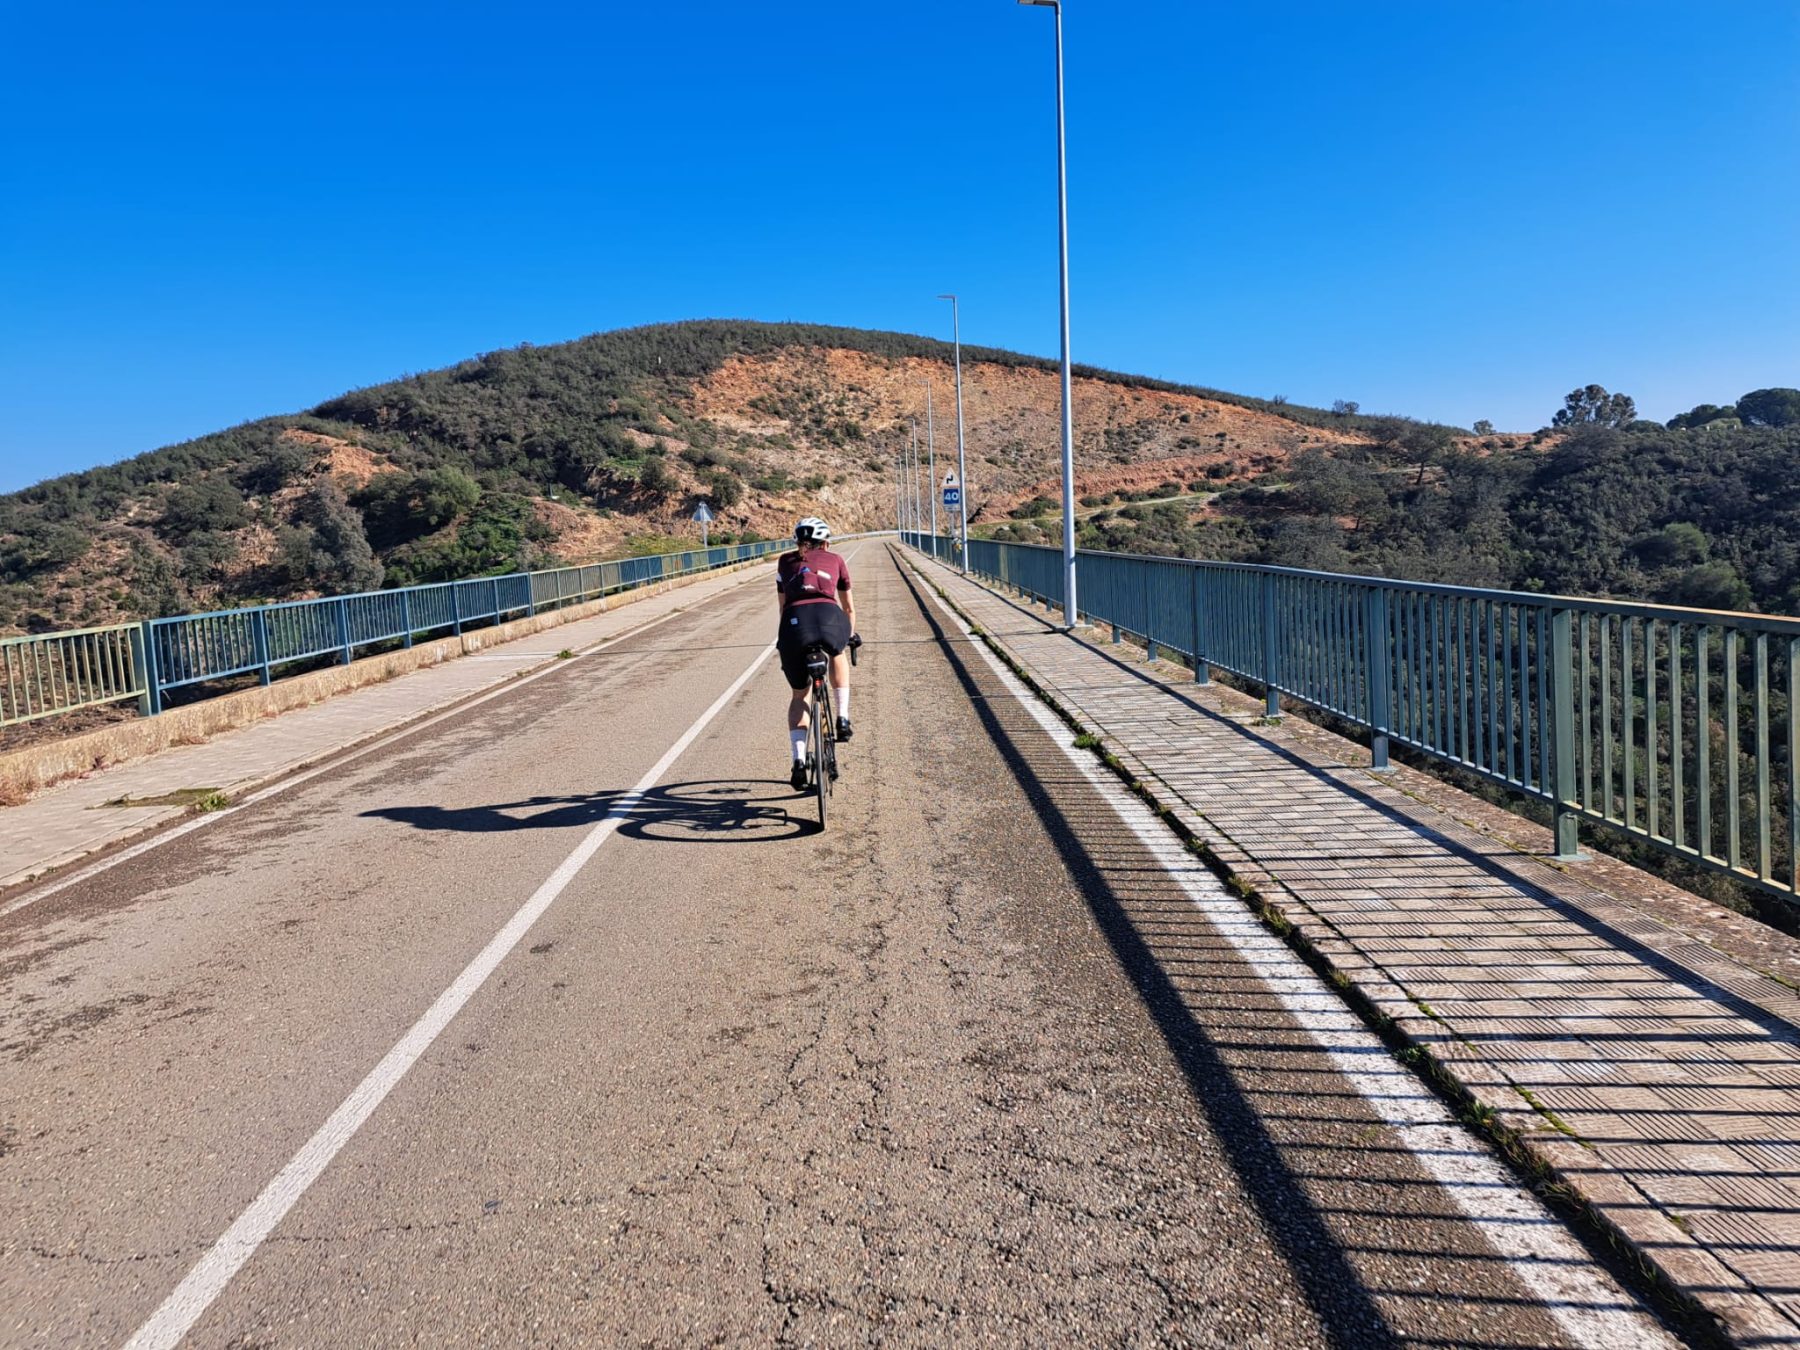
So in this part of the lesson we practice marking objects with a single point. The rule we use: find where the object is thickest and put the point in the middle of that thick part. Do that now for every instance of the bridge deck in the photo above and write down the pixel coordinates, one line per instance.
(66, 823)
(1656, 1074)
(554, 1020)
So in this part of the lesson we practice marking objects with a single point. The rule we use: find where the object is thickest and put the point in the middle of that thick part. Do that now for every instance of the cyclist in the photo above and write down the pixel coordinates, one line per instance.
(813, 589)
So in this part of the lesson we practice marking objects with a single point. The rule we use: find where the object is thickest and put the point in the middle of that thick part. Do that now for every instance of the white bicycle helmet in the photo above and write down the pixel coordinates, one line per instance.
(811, 527)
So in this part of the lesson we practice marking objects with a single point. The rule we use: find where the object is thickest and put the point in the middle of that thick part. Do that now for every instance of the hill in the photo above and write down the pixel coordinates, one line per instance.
(531, 455)
(534, 455)
(1702, 517)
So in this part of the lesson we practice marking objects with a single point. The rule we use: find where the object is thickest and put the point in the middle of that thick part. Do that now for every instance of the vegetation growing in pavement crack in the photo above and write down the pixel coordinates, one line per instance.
(194, 798)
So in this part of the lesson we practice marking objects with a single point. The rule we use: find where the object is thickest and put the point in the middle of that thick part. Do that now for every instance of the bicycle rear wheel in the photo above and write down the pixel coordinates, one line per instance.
(821, 775)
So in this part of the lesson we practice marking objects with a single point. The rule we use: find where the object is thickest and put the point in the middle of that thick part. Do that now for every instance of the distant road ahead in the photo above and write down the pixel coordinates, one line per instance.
(969, 1066)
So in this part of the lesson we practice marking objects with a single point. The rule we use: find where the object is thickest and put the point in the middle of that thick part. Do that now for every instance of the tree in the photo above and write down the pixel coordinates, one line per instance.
(725, 488)
(1700, 415)
(1327, 486)
(1594, 405)
(39, 547)
(1711, 585)
(342, 559)
(398, 507)
(1386, 433)
(1770, 408)
(275, 468)
(1682, 544)
(1345, 408)
(210, 504)
(1483, 427)
(1427, 444)
(1312, 542)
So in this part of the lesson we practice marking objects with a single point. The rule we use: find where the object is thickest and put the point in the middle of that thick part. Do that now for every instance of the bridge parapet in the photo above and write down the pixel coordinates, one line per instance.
(1632, 1042)
(44, 675)
(1676, 727)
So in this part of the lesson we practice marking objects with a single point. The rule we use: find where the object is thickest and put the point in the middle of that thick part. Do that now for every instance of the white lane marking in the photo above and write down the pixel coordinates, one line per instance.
(204, 1283)
(336, 761)
(1586, 1302)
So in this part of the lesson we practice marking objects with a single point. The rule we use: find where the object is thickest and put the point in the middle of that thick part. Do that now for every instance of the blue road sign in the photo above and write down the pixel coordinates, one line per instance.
(952, 496)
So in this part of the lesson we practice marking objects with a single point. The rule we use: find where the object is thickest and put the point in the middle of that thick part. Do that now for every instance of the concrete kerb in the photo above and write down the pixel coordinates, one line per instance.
(1511, 1122)
(36, 767)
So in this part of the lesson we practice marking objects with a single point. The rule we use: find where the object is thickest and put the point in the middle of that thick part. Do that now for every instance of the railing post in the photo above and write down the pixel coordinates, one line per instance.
(531, 592)
(406, 616)
(1375, 642)
(456, 608)
(1562, 695)
(259, 623)
(1201, 674)
(1149, 642)
(1272, 696)
(343, 627)
(495, 584)
(143, 655)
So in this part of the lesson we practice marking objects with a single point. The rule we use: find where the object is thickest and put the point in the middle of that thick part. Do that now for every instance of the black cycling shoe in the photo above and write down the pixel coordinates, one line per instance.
(844, 731)
(797, 779)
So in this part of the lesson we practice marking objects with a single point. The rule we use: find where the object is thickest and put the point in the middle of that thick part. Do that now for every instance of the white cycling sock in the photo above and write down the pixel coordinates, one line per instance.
(797, 743)
(843, 700)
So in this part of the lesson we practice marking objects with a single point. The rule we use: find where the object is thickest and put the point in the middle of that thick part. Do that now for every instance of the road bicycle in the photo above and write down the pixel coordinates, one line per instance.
(821, 735)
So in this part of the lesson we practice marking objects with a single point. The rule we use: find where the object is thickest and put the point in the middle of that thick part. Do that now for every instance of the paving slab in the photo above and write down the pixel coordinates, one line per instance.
(84, 816)
(1619, 1034)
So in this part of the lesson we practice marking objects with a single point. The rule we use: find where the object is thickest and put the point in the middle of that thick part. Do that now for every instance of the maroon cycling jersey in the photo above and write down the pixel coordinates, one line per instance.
(817, 576)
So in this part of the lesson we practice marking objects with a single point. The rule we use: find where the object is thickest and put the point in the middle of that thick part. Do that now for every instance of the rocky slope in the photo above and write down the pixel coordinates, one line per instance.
(530, 456)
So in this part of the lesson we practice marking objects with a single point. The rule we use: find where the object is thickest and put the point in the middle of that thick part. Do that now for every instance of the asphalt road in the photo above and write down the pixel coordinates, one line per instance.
(967, 1067)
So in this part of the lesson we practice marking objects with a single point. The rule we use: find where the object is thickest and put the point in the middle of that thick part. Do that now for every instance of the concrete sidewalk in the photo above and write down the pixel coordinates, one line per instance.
(1603, 1019)
(71, 820)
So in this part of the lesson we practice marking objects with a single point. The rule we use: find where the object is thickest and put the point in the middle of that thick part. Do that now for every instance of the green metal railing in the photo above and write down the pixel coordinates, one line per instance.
(44, 675)
(1677, 727)
(41, 676)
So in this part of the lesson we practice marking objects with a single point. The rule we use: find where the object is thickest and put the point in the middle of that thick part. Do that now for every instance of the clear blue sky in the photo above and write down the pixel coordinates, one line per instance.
(212, 213)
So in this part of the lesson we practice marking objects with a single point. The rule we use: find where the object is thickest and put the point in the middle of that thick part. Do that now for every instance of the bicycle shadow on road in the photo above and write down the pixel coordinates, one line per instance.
(711, 811)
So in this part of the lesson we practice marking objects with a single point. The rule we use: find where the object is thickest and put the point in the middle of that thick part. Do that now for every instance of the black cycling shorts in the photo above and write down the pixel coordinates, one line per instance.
(819, 623)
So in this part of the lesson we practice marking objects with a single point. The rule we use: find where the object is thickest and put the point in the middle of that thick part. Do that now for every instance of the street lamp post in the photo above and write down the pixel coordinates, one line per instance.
(962, 467)
(1068, 418)
(912, 473)
(905, 489)
(931, 463)
(918, 481)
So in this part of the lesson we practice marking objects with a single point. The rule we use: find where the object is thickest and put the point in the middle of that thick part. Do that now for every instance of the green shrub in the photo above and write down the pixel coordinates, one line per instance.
(725, 488)
(1711, 585)
(209, 504)
(399, 507)
(773, 481)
